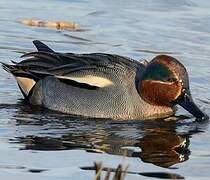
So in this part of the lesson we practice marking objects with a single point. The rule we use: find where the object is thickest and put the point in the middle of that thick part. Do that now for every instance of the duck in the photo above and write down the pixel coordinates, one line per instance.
(100, 85)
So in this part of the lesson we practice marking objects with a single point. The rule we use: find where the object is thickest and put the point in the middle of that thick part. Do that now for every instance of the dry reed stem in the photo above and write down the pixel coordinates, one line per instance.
(120, 172)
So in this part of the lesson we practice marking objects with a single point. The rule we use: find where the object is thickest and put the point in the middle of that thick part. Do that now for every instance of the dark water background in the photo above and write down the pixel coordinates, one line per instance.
(44, 145)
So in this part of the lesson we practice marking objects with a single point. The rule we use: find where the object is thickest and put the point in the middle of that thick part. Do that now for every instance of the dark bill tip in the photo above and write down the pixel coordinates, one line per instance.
(187, 103)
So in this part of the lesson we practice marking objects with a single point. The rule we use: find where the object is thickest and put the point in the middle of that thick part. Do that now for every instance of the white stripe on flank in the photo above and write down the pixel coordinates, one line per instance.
(25, 84)
(89, 79)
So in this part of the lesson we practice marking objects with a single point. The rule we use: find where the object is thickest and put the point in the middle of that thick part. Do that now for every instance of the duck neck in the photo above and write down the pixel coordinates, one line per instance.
(147, 110)
(158, 111)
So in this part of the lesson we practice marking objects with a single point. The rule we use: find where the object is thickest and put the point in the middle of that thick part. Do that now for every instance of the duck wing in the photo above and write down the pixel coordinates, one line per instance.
(46, 58)
(90, 71)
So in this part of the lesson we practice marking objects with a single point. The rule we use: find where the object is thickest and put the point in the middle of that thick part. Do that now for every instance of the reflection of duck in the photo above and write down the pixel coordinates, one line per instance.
(103, 85)
(159, 147)
(162, 148)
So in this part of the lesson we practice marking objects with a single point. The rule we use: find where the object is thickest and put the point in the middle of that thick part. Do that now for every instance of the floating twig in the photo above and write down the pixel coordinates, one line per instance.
(68, 25)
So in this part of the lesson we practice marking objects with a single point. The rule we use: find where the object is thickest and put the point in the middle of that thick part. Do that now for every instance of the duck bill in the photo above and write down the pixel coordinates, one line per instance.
(187, 103)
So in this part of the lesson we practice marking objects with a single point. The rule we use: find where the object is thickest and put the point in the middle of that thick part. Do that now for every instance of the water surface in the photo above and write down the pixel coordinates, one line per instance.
(48, 145)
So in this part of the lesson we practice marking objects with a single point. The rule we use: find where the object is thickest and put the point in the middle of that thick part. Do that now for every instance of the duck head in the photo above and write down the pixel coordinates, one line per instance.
(165, 82)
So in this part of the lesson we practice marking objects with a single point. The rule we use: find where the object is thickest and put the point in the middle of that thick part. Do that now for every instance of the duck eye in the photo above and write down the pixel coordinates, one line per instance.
(171, 79)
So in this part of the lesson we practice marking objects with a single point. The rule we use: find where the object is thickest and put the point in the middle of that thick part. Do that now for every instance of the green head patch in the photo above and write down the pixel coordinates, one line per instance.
(158, 72)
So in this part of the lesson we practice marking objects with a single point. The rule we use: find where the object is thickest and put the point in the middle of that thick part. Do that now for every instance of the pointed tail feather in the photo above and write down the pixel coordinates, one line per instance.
(25, 79)
(7, 67)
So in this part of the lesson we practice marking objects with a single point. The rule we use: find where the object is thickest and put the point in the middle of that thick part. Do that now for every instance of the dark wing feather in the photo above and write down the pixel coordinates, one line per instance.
(46, 62)
(41, 46)
(58, 62)
(52, 58)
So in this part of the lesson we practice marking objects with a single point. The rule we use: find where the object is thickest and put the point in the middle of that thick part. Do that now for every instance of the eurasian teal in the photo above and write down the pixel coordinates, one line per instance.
(102, 85)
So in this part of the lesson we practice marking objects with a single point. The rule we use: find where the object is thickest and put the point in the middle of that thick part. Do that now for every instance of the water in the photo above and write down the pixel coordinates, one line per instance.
(44, 145)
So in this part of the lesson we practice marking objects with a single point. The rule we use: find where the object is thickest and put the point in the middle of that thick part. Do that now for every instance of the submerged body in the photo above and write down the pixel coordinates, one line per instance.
(96, 85)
